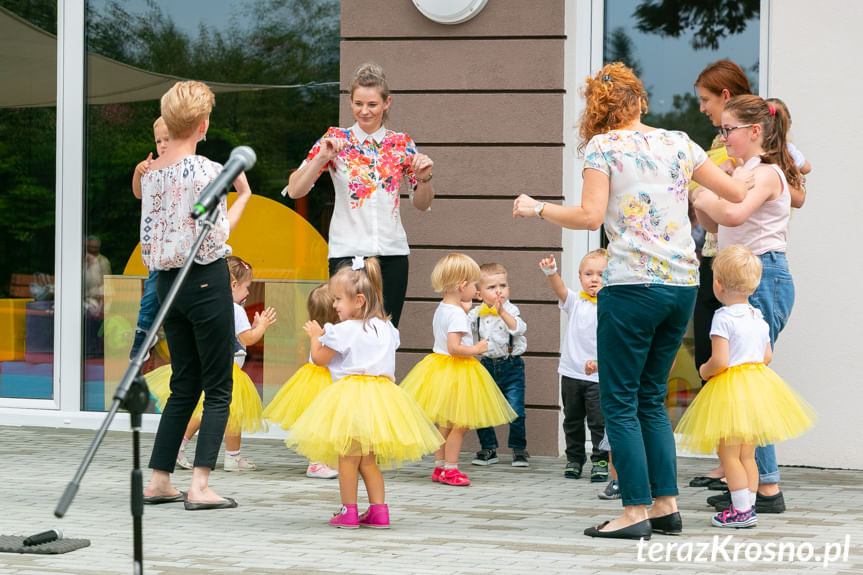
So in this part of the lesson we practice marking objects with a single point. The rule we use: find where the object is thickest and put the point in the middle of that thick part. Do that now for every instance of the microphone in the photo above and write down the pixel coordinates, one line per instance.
(242, 158)
(44, 537)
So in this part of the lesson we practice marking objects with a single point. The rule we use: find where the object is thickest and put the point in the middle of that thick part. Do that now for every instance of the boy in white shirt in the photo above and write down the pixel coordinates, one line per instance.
(578, 366)
(498, 321)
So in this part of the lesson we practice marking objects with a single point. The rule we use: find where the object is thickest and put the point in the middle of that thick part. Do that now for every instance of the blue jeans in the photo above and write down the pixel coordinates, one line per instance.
(775, 298)
(508, 373)
(639, 331)
(149, 302)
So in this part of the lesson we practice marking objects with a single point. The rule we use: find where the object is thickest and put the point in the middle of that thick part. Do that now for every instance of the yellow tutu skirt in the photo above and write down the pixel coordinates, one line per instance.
(361, 414)
(457, 392)
(246, 412)
(297, 394)
(745, 404)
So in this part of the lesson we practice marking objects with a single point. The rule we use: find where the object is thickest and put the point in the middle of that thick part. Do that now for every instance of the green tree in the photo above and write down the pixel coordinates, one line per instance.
(619, 48)
(711, 20)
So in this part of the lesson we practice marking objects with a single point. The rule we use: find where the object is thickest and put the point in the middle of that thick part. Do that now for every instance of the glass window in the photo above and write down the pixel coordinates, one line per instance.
(28, 116)
(668, 44)
(274, 67)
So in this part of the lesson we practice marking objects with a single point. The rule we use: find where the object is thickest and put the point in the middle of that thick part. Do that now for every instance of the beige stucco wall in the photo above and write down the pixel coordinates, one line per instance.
(814, 68)
(485, 100)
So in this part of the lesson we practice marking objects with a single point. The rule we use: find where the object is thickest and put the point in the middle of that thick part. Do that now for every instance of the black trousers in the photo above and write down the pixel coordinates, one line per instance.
(706, 305)
(394, 274)
(200, 331)
(580, 402)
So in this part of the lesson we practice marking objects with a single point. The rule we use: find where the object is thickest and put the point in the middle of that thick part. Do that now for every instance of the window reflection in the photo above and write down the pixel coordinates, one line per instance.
(27, 198)
(253, 55)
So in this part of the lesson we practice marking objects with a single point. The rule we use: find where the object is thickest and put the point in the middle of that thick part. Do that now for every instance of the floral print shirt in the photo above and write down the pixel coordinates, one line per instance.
(167, 230)
(647, 217)
(367, 177)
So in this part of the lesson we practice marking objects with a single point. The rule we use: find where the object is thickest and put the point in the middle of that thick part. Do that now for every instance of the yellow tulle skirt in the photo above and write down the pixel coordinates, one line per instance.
(457, 392)
(359, 415)
(745, 404)
(297, 394)
(246, 412)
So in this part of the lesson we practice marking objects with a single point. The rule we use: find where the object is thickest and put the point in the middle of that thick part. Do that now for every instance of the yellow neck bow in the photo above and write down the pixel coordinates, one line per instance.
(484, 310)
(588, 297)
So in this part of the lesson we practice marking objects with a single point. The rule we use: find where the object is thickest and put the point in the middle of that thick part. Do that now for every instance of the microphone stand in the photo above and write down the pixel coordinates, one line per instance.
(133, 395)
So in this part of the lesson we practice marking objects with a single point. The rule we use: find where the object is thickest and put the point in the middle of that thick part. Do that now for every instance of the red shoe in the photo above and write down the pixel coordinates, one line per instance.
(436, 474)
(454, 477)
(346, 518)
(377, 516)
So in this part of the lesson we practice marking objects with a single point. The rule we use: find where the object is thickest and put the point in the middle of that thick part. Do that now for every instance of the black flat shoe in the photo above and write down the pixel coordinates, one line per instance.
(159, 499)
(717, 485)
(670, 524)
(702, 481)
(640, 530)
(226, 503)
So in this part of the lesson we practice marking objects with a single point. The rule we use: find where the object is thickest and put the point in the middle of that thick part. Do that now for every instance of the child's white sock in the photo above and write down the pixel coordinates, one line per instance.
(740, 499)
(439, 462)
(232, 453)
(450, 466)
(752, 496)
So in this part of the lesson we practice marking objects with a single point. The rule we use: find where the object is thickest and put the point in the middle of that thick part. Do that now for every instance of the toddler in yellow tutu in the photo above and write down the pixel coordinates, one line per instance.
(246, 406)
(298, 392)
(363, 421)
(451, 385)
(744, 403)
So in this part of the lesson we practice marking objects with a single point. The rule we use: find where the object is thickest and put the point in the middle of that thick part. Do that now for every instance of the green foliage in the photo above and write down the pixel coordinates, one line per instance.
(619, 48)
(711, 20)
(286, 42)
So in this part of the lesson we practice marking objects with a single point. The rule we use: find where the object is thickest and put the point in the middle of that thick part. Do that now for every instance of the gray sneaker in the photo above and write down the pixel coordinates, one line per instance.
(612, 491)
(485, 457)
(520, 458)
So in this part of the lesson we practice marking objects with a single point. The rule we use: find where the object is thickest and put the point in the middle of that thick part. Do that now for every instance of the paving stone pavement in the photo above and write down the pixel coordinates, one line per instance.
(510, 521)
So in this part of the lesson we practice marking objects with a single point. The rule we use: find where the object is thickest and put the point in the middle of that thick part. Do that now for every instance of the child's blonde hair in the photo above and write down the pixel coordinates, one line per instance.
(320, 305)
(160, 121)
(595, 254)
(185, 106)
(492, 269)
(453, 269)
(240, 270)
(737, 269)
(367, 282)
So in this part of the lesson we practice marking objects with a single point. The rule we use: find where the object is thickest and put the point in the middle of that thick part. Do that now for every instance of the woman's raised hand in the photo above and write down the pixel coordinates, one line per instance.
(523, 207)
(332, 147)
(421, 166)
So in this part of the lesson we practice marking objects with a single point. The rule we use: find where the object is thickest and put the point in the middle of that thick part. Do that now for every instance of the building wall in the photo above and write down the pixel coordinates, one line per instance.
(485, 100)
(813, 69)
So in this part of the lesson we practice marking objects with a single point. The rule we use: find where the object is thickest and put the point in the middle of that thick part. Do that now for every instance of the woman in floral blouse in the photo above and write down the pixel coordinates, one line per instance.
(636, 181)
(367, 163)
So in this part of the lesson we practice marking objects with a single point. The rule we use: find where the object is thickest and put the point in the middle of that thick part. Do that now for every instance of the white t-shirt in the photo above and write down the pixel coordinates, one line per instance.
(241, 324)
(493, 329)
(579, 340)
(796, 155)
(449, 318)
(362, 350)
(746, 331)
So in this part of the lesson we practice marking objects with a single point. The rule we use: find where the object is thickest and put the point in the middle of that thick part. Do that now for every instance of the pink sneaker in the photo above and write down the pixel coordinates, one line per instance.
(454, 477)
(346, 518)
(436, 474)
(378, 516)
(321, 471)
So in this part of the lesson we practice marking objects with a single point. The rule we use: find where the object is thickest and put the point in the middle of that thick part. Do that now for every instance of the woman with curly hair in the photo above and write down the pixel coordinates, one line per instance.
(636, 182)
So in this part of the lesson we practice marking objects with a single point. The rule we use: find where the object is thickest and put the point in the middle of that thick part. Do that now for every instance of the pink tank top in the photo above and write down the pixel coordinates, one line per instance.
(765, 229)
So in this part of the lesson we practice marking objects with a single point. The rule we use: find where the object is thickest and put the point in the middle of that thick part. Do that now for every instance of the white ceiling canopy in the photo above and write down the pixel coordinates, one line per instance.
(28, 60)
